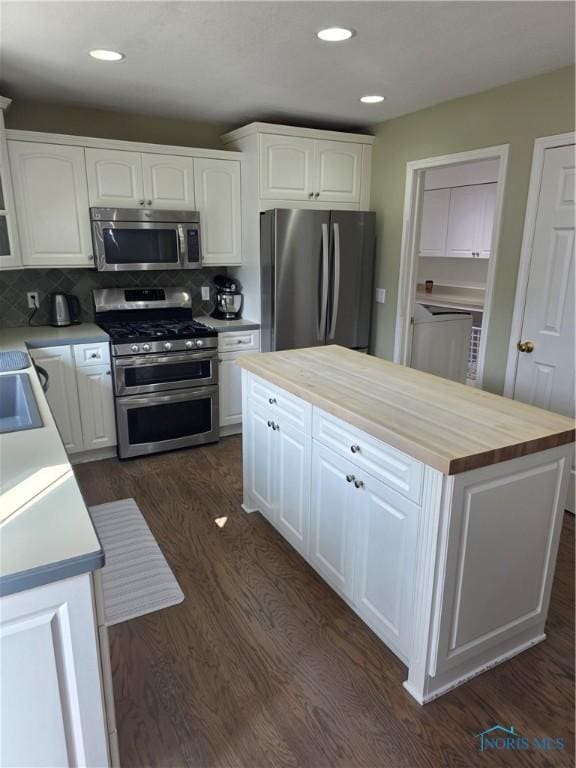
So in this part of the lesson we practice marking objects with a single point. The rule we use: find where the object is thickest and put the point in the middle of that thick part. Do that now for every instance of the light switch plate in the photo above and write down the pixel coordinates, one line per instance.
(380, 295)
(205, 293)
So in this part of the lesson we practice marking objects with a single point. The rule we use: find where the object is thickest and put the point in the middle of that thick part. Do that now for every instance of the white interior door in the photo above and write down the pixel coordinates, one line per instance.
(545, 373)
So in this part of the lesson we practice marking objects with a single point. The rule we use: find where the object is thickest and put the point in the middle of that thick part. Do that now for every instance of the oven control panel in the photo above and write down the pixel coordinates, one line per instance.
(174, 345)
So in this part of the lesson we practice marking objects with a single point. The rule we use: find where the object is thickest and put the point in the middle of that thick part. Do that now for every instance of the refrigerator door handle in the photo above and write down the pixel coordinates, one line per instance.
(336, 288)
(324, 298)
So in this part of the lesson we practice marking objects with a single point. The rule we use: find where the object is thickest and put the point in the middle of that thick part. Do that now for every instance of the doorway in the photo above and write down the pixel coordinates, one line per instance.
(451, 230)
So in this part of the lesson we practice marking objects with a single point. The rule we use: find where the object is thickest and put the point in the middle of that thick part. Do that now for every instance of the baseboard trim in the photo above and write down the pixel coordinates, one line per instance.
(83, 457)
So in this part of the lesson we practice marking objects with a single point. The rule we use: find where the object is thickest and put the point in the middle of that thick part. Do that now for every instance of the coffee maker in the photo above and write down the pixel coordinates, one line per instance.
(228, 298)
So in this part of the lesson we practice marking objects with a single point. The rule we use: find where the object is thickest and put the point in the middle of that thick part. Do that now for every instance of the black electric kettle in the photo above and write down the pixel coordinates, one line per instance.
(64, 309)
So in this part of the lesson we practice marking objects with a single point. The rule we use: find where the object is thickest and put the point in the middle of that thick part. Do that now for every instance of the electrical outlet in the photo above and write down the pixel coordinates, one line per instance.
(33, 302)
(380, 295)
(205, 293)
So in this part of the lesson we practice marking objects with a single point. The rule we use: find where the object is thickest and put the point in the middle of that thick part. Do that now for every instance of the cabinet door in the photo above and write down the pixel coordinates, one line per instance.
(169, 182)
(52, 204)
(434, 222)
(286, 168)
(260, 446)
(332, 529)
(293, 455)
(338, 168)
(230, 390)
(62, 394)
(114, 178)
(385, 558)
(96, 406)
(217, 185)
(486, 220)
(9, 249)
(465, 207)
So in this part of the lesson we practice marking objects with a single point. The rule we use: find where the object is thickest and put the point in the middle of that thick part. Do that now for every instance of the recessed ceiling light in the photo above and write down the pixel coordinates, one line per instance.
(103, 55)
(335, 34)
(371, 99)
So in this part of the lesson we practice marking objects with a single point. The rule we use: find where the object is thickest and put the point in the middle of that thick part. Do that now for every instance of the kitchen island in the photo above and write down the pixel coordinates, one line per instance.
(432, 508)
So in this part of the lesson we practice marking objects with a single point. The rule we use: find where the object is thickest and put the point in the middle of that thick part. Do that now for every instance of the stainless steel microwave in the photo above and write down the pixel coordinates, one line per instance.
(134, 239)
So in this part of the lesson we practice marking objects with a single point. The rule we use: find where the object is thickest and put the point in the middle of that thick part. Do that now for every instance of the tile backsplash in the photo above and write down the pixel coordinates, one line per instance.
(15, 283)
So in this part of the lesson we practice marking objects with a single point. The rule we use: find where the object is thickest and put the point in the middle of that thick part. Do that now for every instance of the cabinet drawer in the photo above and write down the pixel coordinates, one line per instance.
(280, 404)
(238, 341)
(392, 467)
(92, 354)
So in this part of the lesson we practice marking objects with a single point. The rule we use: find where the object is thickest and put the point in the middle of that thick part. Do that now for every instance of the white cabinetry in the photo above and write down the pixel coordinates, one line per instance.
(458, 222)
(80, 394)
(51, 710)
(9, 248)
(114, 178)
(231, 345)
(51, 204)
(217, 184)
(259, 474)
(62, 394)
(169, 182)
(293, 168)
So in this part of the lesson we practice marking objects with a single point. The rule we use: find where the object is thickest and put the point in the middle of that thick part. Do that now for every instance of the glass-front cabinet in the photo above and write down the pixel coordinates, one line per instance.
(9, 251)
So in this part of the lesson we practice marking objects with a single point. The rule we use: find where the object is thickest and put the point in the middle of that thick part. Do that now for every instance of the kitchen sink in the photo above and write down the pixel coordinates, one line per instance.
(18, 408)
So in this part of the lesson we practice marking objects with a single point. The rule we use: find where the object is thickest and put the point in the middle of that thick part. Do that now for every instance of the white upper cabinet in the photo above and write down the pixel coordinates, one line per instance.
(338, 167)
(114, 178)
(51, 204)
(217, 186)
(9, 249)
(293, 168)
(168, 182)
(434, 223)
(458, 221)
(286, 168)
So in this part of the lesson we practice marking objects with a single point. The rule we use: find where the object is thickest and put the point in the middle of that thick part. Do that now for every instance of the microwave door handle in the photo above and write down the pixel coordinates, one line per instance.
(324, 285)
(182, 255)
(336, 288)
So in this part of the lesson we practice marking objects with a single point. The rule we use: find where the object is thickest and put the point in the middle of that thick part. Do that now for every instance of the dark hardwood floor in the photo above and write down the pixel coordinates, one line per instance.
(263, 665)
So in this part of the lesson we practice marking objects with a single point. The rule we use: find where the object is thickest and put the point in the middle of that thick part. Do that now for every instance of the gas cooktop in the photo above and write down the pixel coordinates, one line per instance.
(126, 331)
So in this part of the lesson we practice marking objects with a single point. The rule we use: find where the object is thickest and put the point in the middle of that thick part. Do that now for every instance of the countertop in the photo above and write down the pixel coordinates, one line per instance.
(49, 534)
(241, 324)
(449, 426)
(452, 297)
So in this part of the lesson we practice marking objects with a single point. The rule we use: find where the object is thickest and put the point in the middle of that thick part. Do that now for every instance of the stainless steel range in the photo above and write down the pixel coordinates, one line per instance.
(165, 369)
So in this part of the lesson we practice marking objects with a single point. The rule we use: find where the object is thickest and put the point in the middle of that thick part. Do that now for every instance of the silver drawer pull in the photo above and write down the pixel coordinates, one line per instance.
(272, 400)
(355, 448)
(350, 478)
(359, 483)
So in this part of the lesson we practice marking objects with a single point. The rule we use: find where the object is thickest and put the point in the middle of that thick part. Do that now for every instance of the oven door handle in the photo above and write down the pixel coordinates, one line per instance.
(164, 358)
(134, 401)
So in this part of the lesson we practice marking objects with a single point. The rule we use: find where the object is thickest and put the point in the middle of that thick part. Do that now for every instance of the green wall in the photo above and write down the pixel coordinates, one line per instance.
(107, 124)
(513, 114)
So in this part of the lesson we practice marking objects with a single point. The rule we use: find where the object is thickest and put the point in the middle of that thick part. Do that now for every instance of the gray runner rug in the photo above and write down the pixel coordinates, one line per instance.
(136, 578)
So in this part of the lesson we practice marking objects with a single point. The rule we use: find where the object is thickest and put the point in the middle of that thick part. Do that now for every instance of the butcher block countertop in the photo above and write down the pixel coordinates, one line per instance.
(449, 426)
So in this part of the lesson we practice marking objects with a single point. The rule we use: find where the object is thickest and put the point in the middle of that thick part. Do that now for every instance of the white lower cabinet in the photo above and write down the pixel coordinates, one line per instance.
(231, 344)
(258, 445)
(51, 697)
(62, 394)
(291, 456)
(80, 394)
(332, 519)
(96, 406)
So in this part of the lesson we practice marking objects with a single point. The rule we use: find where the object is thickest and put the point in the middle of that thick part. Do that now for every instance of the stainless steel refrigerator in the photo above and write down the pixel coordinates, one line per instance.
(316, 278)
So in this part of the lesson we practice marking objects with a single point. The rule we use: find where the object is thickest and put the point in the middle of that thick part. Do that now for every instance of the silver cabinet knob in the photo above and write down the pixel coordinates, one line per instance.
(350, 478)
(141, 202)
(359, 483)
(272, 400)
(108, 373)
(355, 448)
(311, 195)
(94, 355)
(269, 423)
(148, 202)
(317, 195)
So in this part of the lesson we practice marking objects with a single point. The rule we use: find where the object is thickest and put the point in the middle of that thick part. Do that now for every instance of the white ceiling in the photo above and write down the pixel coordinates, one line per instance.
(233, 62)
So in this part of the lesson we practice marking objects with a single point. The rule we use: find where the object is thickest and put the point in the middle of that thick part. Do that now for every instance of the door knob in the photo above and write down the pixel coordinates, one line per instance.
(526, 346)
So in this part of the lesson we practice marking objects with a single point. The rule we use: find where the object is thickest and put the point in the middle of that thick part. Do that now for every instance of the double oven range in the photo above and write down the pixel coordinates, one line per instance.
(164, 367)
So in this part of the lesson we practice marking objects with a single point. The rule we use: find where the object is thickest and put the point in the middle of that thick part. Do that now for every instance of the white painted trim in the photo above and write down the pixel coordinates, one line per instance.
(540, 147)
(128, 146)
(5, 102)
(292, 130)
(409, 257)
